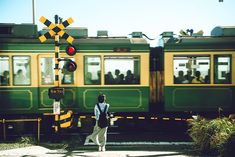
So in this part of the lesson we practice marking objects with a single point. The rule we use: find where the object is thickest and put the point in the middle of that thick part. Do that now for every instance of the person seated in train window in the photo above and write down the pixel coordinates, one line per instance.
(188, 76)
(20, 78)
(98, 81)
(136, 79)
(99, 76)
(88, 78)
(67, 77)
(207, 77)
(109, 78)
(175, 80)
(198, 78)
(47, 79)
(117, 77)
(227, 78)
(4, 79)
(129, 78)
(181, 78)
(121, 79)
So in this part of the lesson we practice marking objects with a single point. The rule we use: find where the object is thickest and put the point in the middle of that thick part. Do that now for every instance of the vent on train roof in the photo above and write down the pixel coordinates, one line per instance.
(136, 34)
(223, 31)
(17, 30)
(102, 33)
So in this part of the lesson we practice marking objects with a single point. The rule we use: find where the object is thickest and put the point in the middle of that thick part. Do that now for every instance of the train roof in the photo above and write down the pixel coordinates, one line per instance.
(199, 43)
(222, 38)
(27, 34)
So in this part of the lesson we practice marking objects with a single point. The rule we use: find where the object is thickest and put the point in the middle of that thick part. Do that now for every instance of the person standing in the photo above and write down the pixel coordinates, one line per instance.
(99, 135)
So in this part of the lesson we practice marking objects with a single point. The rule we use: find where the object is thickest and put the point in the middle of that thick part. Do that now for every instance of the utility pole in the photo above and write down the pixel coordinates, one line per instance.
(33, 12)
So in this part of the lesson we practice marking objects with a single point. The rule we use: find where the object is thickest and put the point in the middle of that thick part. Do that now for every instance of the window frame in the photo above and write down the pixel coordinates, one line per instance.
(84, 69)
(143, 64)
(191, 56)
(53, 65)
(124, 84)
(9, 70)
(214, 67)
(13, 70)
(40, 70)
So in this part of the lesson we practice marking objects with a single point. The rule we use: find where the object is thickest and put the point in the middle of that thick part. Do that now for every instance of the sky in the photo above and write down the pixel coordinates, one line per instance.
(122, 17)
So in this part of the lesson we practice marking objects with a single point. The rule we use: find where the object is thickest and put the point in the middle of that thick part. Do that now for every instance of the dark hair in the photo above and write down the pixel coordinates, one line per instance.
(198, 74)
(101, 98)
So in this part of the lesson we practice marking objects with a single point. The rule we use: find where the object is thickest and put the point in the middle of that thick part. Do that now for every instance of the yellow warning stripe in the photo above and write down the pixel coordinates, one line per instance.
(70, 20)
(42, 38)
(65, 116)
(67, 37)
(166, 118)
(43, 20)
(178, 119)
(70, 39)
(52, 33)
(118, 117)
(142, 117)
(190, 119)
(57, 49)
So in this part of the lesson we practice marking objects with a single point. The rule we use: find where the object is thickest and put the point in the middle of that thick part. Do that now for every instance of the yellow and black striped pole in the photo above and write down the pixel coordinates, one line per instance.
(57, 51)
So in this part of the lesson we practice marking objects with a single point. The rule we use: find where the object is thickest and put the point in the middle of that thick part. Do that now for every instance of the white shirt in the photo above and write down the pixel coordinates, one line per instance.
(102, 106)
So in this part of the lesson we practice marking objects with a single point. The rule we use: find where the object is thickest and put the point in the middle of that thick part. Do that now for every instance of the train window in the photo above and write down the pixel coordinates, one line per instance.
(21, 69)
(191, 69)
(122, 70)
(66, 76)
(47, 70)
(92, 70)
(222, 69)
(4, 71)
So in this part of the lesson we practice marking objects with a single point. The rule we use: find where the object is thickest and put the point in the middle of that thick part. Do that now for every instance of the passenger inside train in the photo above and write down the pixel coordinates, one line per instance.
(4, 78)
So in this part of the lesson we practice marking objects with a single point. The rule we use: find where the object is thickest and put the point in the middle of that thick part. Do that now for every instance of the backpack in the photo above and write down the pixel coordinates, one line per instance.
(103, 120)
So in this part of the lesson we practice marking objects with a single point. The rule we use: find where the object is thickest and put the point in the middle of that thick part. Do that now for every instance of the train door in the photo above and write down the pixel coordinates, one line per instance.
(47, 80)
(156, 78)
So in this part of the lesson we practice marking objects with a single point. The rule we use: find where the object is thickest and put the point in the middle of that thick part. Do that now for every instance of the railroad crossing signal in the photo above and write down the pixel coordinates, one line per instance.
(57, 93)
(71, 50)
(70, 65)
(56, 29)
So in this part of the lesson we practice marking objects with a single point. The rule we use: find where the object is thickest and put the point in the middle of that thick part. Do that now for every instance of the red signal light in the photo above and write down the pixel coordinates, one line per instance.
(70, 66)
(71, 50)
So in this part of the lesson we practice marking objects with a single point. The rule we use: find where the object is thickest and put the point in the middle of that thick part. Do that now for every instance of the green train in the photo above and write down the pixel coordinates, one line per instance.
(186, 75)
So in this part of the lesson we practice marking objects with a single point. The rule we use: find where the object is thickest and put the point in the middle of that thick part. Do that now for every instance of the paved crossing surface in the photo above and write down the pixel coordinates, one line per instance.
(120, 150)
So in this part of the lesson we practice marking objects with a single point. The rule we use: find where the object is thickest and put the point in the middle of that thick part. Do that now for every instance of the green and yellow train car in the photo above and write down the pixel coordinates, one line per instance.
(30, 68)
(199, 74)
(193, 74)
